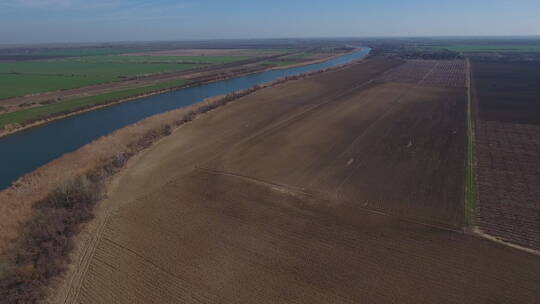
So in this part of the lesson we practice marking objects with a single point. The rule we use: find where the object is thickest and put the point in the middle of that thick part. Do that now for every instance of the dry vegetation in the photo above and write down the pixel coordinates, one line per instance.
(67, 202)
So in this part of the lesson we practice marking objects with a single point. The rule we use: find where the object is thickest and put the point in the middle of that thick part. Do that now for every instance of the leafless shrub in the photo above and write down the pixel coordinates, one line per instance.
(42, 255)
(26, 104)
(48, 101)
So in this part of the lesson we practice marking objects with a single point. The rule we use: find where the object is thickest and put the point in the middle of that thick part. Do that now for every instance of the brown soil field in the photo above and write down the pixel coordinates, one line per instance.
(508, 150)
(444, 73)
(508, 91)
(69, 189)
(338, 188)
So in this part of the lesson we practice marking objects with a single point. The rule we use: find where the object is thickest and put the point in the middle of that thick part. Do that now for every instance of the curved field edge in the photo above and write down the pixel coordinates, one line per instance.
(43, 211)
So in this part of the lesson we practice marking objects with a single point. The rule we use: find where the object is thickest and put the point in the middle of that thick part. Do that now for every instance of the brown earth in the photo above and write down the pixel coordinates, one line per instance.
(339, 188)
(508, 91)
(508, 150)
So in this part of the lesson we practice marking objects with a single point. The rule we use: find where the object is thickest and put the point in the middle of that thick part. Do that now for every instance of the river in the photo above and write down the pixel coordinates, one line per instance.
(28, 150)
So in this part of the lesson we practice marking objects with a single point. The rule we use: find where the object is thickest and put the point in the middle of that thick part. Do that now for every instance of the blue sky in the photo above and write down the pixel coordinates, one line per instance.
(33, 21)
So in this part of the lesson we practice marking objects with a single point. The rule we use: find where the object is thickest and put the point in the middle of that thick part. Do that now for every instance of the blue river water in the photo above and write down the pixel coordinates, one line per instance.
(28, 150)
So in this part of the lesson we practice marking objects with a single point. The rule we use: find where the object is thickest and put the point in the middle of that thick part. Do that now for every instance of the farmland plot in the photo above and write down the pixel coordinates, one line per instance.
(432, 73)
(30, 77)
(509, 181)
(413, 71)
(508, 150)
(330, 189)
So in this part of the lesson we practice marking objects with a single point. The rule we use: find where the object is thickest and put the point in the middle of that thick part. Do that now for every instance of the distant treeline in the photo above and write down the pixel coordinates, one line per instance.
(433, 54)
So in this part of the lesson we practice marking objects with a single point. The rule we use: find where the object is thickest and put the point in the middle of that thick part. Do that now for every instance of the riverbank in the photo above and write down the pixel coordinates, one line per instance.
(13, 128)
(43, 211)
(311, 62)
(66, 135)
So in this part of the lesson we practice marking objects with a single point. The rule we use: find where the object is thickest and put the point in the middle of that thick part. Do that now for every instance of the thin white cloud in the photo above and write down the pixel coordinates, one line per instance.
(127, 7)
(146, 10)
(62, 4)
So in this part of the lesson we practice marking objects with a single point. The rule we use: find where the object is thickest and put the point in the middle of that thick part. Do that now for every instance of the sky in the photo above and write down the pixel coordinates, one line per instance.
(45, 21)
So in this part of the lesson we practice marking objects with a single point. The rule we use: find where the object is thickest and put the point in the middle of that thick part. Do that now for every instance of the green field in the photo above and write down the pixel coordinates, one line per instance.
(18, 85)
(492, 48)
(160, 59)
(101, 71)
(23, 78)
(84, 52)
(30, 77)
(22, 116)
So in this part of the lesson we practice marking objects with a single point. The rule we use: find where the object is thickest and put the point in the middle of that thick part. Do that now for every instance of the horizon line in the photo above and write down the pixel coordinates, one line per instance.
(267, 38)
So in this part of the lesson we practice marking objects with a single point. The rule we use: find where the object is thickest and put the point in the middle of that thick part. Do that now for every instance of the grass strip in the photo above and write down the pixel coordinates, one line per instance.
(471, 191)
(64, 107)
(159, 59)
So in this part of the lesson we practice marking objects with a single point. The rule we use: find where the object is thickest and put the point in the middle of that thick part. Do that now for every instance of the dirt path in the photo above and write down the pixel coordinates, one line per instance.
(239, 206)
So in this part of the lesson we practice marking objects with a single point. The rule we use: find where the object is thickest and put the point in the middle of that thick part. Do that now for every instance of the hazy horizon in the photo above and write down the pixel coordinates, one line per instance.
(76, 21)
(113, 42)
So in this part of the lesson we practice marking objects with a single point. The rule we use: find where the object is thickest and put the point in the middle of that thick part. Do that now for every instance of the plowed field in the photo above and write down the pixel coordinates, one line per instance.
(338, 188)
(508, 150)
